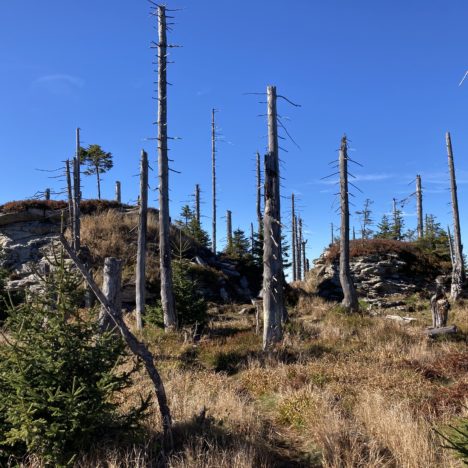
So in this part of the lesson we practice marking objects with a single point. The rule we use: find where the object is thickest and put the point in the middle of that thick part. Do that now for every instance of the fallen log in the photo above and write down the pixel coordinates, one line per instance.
(397, 318)
(433, 332)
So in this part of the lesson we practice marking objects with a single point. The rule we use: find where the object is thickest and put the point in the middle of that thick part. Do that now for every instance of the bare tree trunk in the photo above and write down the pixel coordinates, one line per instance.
(458, 271)
(118, 192)
(197, 204)
(350, 302)
(136, 347)
(354, 234)
(396, 220)
(213, 177)
(259, 195)
(304, 260)
(229, 229)
(140, 280)
(71, 215)
(419, 207)
(299, 251)
(332, 229)
(450, 244)
(167, 297)
(273, 301)
(77, 195)
(98, 179)
(111, 286)
(293, 240)
(252, 241)
(47, 194)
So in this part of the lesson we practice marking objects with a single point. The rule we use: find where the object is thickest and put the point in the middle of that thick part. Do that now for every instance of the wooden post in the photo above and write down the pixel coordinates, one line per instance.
(350, 302)
(136, 347)
(229, 229)
(111, 285)
(167, 295)
(299, 250)
(140, 277)
(259, 195)
(274, 311)
(419, 207)
(213, 178)
(458, 271)
(197, 204)
(118, 193)
(293, 239)
(71, 216)
(77, 195)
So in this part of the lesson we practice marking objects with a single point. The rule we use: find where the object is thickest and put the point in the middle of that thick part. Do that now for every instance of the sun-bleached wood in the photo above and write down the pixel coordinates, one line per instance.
(213, 180)
(77, 195)
(419, 207)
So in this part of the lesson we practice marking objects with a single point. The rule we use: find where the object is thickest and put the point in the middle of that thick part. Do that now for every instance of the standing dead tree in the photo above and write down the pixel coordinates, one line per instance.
(167, 295)
(293, 239)
(140, 280)
(458, 272)
(332, 232)
(111, 288)
(419, 207)
(229, 229)
(350, 301)
(259, 195)
(71, 216)
(118, 192)
(299, 250)
(450, 244)
(213, 178)
(137, 348)
(273, 296)
(252, 239)
(77, 195)
(304, 259)
(197, 204)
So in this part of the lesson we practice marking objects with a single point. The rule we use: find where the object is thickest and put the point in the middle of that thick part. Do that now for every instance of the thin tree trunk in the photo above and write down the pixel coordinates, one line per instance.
(229, 229)
(252, 242)
(299, 251)
(419, 207)
(293, 239)
(213, 178)
(350, 302)
(140, 281)
(458, 271)
(77, 195)
(450, 244)
(136, 347)
(111, 286)
(118, 192)
(197, 204)
(332, 229)
(304, 260)
(259, 195)
(354, 234)
(71, 215)
(98, 179)
(167, 297)
(273, 301)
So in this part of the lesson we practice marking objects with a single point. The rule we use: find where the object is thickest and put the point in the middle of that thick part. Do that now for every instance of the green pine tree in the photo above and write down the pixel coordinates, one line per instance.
(98, 162)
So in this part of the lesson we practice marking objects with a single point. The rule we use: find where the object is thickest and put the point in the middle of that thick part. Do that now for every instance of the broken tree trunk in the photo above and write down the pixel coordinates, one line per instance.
(111, 286)
(167, 295)
(197, 204)
(77, 195)
(140, 280)
(299, 250)
(273, 301)
(229, 229)
(118, 192)
(350, 302)
(293, 239)
(433, 332)
(47, 194)
(419, 207)
(458, 273)
(136, 347)
(213, 178)
(304, 260)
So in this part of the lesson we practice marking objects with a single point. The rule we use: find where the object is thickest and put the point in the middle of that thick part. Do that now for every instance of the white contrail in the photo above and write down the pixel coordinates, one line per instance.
(463, 79)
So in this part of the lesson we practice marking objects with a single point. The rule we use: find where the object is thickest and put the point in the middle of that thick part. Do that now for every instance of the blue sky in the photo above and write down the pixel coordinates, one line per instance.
(385, 72)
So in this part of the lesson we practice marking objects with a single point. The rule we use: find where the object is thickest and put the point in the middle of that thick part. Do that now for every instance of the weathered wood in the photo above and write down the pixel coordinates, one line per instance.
(332, 229)
(77, 195)
(299, 250)
(458, 271)
(111, 286)
(118, 192)
(252, 240)
(140, 276)
(433, 332)
(213, 180)
(274, 311)
(71, 216)
(229, 229)
(304, 260)
(197, 204)
(167, 295)
(47, 194)
(397, 318)
(450, 244)
(350, 301)
(293, 239)
(396, 221)
(136, 347)
(419, 207)
(259, 196)
(440, 307)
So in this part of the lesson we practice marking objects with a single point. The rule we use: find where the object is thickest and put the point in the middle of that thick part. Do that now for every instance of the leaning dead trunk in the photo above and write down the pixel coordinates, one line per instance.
(273, 301)
(419, 207)
(77, 195)
(167, 297)
(458, 273)
(71, 215)
(140, 280)
(350, 302)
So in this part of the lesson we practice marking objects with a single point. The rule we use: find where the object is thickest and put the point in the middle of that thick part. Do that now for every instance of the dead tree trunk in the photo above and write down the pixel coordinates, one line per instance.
(140, 280)
(259, 195)
(419, 207)
(450, 244)
(213, 178)
(458, 272)
(118, 192)
(47, 194)
(304, 260)
(98, 180)
(354, 234)
(136, 347)
(111, 285)
(273, 300)
(293, 239)
(167, 295)
(299, 250)
(229, 230)
(197, 204)
(396, 220)
(71, 217)
(350, 302)
(332, 229)
(252, 240)
(77, 195)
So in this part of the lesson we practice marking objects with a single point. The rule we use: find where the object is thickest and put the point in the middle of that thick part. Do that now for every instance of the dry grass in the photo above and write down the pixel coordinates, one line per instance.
(341, 391)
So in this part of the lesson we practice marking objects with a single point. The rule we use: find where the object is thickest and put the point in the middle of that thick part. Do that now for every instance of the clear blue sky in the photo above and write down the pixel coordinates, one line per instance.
(385, 72)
